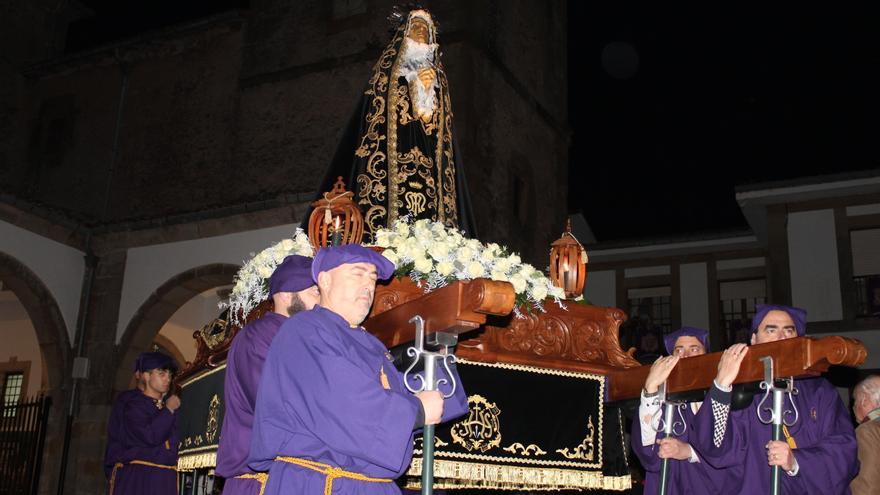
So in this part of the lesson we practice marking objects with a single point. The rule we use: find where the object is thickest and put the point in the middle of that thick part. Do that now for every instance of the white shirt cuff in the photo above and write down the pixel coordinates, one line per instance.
(723, 389)
(693, 457)
(648, 407)
(795, 468)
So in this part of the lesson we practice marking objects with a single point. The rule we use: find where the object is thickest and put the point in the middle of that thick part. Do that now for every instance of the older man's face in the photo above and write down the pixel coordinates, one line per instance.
(777, 325)
(348, 290)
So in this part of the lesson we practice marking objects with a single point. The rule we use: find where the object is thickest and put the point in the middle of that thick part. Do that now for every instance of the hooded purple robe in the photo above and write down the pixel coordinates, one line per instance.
(140, 433)
(685, 477)
(244, 366)
(330, 393)
(826, 451)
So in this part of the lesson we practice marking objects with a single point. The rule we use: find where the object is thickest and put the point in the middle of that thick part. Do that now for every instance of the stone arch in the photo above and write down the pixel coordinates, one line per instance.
(55, 351)
(45, 316)
(159, 307)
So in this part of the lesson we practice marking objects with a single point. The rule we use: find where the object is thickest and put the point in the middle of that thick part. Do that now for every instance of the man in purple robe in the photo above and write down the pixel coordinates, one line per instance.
(142, 440)
(292, 291)
(818, 454)
(687, 473)
(333, 414)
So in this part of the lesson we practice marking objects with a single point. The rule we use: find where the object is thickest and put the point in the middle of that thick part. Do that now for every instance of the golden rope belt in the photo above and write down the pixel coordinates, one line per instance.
(330, 472)
(119, 465)
(261, 478)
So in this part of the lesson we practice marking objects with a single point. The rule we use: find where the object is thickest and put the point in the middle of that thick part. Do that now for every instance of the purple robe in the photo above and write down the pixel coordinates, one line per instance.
(140, 432)
(322, 398)
(685, 477)
(244, 366)
(826, 451)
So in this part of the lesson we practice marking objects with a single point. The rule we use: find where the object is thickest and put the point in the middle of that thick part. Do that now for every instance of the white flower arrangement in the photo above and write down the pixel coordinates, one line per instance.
(429, 253)
(433, 256)
(252, 280)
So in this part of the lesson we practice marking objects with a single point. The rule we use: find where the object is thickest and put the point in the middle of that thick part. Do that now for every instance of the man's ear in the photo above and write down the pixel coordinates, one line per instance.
(324, 282)
(754, 334)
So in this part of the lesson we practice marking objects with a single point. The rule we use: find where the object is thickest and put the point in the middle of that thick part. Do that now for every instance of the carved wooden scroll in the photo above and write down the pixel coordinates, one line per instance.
(457, 308)
(801, 356)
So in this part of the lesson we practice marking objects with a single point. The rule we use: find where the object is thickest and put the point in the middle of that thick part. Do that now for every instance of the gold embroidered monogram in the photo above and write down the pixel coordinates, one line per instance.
(481, 430)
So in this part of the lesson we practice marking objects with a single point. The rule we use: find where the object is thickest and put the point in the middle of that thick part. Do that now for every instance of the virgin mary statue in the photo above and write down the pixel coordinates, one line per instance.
(398, 152)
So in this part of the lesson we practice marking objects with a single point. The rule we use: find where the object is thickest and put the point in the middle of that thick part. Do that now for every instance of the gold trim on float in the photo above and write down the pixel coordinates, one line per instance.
(454, 474)
(545, 371)
(190, 462)
(203, 375)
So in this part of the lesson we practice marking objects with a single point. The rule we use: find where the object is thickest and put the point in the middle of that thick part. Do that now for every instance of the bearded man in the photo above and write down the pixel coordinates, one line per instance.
(292, 291)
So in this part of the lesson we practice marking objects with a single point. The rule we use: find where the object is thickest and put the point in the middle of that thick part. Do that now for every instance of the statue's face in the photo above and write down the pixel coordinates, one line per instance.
(419, 31)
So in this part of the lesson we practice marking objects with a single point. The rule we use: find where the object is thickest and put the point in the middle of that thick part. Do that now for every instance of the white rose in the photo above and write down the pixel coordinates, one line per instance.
(475, 269)
(264, 271)
(288, 244)
(401, 228)
(445, 268)
(558, 292)
(514, 259)
(439, 251)
(383, 238)
(502, 265)
(423, 264)
(526, 270)
(539, 292)
(391, 256)
(473, 244)
(464, 254)
(487, 255)
(519, 283)
(499, 276)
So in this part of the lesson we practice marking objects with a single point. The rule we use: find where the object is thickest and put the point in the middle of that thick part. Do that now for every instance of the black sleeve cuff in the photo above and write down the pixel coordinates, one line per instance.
(719, 395)
(420, 418)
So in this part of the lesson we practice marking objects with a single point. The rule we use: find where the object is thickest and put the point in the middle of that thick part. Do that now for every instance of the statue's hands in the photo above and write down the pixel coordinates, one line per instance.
(660, 371)
(673, 448)
(427, 76)
(728, 366)
(780, 454)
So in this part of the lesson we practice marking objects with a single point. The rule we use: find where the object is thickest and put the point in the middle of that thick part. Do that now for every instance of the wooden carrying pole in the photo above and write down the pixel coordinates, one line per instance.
(800, 356)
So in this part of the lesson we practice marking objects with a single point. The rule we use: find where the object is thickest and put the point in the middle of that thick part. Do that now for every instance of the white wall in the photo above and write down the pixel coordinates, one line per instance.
(815, 275)
(147, 268)
(19, 339)
(59, 267)
(600, 288)
(195, 314)
(694, 282)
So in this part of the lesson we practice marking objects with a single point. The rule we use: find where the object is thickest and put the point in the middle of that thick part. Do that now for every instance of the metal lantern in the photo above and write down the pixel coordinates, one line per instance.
(335, 219)
(568, 264)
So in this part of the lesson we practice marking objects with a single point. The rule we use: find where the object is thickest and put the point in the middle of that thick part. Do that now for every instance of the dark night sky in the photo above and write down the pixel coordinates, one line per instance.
(717, 98)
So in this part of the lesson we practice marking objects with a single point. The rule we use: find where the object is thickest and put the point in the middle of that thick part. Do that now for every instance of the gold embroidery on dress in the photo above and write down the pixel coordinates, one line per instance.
(585, 449)
(481, 430)
(403, 106)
